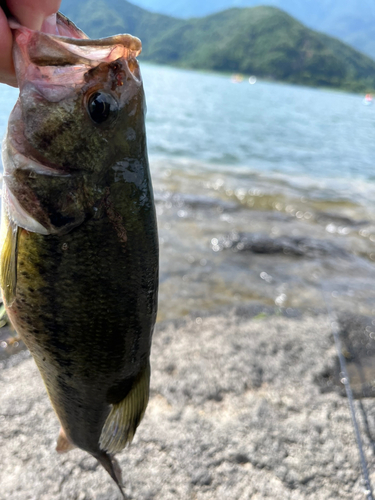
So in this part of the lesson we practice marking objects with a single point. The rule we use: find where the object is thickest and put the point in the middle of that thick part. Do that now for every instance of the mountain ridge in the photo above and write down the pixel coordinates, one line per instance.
(264, 41)
(351, 21)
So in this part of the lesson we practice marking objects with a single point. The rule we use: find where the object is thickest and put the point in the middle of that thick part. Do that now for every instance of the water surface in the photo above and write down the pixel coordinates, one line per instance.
(240, 168)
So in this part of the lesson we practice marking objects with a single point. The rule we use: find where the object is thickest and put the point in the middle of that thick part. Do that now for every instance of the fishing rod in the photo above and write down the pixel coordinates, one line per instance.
(346, 382)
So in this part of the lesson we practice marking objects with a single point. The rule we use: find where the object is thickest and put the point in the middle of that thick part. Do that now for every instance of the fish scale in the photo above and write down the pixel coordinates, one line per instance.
(79, 247)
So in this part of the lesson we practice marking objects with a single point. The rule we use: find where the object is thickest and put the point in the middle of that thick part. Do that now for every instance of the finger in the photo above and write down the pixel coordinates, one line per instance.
(7, 74)
(32, 13)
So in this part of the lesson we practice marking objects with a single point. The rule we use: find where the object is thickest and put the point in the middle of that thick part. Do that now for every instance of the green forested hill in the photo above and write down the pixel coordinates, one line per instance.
(352, 21)
(99, 18)
(263, 41)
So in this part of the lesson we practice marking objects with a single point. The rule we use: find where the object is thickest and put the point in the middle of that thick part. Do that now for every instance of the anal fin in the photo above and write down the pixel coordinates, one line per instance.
(63, 445)
(8, 263)
(125, 416)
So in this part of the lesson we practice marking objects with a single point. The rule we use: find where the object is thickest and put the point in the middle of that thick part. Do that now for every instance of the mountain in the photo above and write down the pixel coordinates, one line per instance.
(350, 20)
(99, 18)
(263, 41)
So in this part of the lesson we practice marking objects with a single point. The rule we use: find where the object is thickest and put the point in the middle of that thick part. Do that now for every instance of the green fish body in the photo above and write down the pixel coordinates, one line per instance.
(79, 249)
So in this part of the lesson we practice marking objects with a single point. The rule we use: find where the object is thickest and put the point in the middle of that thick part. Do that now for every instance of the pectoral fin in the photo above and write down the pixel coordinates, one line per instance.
(124, 418)
(8, 263)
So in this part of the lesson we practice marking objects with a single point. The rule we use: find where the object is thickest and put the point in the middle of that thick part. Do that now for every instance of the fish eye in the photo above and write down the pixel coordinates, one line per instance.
(102, 107)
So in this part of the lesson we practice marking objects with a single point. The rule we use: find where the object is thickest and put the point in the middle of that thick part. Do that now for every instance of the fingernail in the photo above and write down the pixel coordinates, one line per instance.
(49, 25)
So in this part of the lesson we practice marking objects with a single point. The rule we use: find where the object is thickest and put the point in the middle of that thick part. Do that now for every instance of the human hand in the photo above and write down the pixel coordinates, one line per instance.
(33, 14)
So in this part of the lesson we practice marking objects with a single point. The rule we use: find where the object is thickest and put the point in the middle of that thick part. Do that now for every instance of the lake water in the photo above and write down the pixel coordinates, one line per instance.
(265, 193)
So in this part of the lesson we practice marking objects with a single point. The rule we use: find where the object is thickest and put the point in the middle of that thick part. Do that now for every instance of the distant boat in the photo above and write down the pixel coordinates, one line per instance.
(368, 99)
(237, 78)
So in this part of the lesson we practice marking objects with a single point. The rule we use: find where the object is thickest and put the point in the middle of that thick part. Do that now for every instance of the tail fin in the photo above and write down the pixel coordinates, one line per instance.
(113, 468)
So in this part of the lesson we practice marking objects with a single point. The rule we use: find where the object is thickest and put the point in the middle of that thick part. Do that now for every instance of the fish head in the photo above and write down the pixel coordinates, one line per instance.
(81, 101)
(80, 112)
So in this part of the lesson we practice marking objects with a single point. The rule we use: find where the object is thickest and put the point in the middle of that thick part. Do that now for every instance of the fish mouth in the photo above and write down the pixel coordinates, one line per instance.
(52, 50)
(57, 59)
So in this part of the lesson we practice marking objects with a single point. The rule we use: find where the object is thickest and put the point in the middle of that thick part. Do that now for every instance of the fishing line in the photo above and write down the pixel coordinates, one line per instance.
(346, 382)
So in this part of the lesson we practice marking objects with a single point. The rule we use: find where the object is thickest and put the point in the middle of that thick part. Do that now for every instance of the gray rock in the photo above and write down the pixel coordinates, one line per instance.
(357, 335)
(287, 245)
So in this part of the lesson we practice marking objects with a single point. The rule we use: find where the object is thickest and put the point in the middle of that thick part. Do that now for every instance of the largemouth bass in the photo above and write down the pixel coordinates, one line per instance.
(79, 249)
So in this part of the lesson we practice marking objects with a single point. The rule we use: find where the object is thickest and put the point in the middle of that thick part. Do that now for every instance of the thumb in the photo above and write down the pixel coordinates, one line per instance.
(33, 13)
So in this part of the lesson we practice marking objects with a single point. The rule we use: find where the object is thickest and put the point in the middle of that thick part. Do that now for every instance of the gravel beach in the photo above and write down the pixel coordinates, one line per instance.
(242, 406)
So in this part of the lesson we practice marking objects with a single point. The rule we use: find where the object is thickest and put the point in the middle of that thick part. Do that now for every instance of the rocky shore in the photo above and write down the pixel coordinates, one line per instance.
(244, 404)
